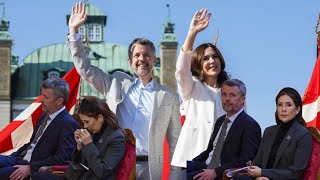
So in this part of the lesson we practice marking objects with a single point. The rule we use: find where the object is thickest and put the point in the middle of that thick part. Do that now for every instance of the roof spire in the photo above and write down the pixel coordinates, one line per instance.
(168, 27)
(4, 25)
(168, 5)
(168, 34)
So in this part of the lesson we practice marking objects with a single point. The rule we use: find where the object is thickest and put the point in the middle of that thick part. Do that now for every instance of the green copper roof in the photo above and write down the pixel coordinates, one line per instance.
(93, 11)
(57, 56)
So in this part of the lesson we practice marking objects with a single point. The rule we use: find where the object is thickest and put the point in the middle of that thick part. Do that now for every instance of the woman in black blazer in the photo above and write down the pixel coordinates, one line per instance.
(285, 148)
(100, 145)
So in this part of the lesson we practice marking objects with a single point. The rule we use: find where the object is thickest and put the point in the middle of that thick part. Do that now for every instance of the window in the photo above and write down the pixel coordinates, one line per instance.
(53, 74)
(95, 32)
(82, 31)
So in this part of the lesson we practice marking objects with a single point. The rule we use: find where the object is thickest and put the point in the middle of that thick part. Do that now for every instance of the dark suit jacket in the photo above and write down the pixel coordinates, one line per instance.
(56, 143)
(102, 157)
(240, 146)
(292, 156)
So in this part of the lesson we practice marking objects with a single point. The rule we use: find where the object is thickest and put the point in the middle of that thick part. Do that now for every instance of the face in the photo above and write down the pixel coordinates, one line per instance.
(286, 109)
(211, 63)
(92, 124)
(50, 103)
(232, 100)
(142, 61)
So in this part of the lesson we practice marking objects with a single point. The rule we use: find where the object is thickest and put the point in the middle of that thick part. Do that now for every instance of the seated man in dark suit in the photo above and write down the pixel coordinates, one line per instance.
(235, 139)
(52, 140)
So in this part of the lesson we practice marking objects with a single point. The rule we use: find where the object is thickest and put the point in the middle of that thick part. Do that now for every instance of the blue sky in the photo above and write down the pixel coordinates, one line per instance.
(266, 44)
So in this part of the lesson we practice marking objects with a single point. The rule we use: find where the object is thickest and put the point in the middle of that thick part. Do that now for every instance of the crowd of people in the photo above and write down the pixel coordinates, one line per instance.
(217, 134)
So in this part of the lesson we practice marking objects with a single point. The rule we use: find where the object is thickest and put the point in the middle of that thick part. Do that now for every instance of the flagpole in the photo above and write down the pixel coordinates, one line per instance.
(318, 35)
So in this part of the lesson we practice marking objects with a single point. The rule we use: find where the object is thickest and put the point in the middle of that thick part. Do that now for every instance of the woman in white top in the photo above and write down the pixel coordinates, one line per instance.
(199, 74)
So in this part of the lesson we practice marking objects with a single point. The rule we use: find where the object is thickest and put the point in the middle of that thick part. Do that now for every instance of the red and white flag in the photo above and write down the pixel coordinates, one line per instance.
(19, 131)
(311, 98)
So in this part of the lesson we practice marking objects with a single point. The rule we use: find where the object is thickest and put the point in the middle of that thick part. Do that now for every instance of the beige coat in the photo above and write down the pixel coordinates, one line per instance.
(165, 117)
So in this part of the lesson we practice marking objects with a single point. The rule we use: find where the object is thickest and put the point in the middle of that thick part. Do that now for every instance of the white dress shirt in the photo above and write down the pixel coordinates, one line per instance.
(135, 113)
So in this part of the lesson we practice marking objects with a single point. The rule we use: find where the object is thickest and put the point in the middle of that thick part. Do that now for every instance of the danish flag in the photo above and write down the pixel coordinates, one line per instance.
(19, 131)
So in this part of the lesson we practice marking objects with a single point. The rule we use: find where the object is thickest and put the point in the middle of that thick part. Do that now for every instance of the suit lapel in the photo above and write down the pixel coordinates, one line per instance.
(268, 145)
(158, 97)
(235, 125)
(285, 142)
(104, 136)
(52, 125)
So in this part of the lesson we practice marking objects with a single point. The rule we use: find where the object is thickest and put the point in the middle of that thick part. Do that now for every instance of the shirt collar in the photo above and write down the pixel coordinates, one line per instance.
(55, 114)
(139, 84)
(233, 117)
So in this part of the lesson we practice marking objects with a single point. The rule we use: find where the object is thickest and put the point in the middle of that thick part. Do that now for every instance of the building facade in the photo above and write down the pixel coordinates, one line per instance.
(20, 84)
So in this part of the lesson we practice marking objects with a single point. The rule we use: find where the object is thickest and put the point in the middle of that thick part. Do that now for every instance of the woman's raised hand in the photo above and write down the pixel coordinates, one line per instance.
(200, 21)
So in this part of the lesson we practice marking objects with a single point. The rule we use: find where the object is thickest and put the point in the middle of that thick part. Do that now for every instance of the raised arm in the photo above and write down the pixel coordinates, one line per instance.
(77, 18)
(199, 22)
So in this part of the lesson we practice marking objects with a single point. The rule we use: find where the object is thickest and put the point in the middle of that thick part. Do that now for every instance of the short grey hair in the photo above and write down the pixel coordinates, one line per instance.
(142, 41)
(59, 86)
(236, 82)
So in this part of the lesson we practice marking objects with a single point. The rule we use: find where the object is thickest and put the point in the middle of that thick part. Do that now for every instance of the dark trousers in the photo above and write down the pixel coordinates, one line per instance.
(6, 165)
(45, 176)
(194, 168)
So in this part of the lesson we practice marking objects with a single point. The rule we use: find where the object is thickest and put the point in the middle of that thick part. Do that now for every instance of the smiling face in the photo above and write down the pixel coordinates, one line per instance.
(211, 63)
(142, 61)
(92, 124)
(286, 108)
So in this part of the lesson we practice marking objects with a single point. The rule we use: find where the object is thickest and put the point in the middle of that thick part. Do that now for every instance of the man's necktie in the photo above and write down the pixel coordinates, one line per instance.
(215, 161)
(38, 134)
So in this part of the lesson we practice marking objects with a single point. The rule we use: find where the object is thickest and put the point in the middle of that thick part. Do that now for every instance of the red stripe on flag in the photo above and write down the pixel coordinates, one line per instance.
(73, 79)
(5, 135)
(166, 164)
(36, 114)
(313, 90)
(315, 122)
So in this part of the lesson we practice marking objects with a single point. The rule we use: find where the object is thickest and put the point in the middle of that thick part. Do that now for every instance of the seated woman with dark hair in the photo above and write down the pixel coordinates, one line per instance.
(285, 148)
(100, 145)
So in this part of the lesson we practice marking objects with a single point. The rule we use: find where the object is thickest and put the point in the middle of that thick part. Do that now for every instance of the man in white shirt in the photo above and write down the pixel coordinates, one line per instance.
(149, 109)
(52, 140)
(235, 139)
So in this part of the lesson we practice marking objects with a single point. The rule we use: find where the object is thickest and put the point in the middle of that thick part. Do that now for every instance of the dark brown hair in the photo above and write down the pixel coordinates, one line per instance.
(295, 96)
(197, 62)
(92, 106)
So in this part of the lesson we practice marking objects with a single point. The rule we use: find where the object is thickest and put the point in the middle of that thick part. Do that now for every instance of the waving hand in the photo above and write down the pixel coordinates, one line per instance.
(77, 18)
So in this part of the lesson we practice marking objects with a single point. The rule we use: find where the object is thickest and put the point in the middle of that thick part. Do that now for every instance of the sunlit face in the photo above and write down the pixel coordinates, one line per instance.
(142, 61)
(92, 124)
(286, 109)
(50, 103)
(232, 100)
(211, 63)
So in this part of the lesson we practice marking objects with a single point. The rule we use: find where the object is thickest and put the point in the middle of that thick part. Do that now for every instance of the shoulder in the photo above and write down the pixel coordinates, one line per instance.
(114, 134)
(300, 130)
(247, 119)
(270, 129)
(121, 75)
(166, 90)
(66, 118)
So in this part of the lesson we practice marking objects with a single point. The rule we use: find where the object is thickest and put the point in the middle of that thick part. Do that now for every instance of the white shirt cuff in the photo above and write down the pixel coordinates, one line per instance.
(74, 37)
